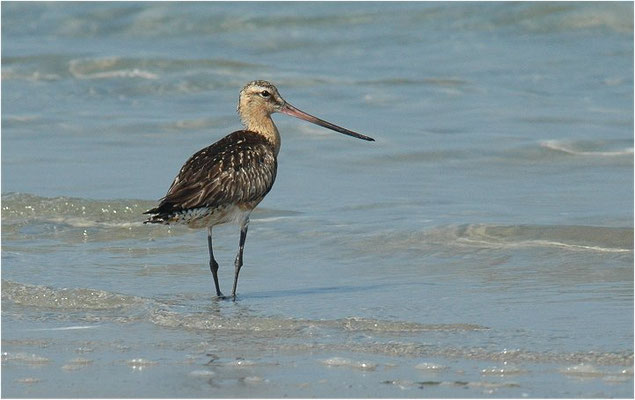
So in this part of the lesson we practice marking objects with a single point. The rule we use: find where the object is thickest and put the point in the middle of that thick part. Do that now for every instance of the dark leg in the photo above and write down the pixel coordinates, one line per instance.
(213, 265)
(239, 257)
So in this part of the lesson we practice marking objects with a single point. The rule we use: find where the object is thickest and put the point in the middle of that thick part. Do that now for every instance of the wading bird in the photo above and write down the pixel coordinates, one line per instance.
(224, 182)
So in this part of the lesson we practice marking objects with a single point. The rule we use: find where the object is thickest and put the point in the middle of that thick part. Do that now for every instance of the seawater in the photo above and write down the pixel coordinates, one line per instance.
(481, 247)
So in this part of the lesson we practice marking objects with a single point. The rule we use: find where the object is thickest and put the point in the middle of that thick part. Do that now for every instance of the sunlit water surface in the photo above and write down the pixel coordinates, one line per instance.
(482, 246)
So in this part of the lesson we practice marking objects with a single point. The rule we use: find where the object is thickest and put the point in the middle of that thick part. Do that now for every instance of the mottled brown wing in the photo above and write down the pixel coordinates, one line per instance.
(240, 168)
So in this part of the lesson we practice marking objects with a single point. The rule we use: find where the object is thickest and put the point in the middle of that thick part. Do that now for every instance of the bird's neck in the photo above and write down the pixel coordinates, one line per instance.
(263, 125)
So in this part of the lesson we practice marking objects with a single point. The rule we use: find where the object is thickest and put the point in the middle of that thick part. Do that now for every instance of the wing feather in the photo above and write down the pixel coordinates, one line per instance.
(240, 168)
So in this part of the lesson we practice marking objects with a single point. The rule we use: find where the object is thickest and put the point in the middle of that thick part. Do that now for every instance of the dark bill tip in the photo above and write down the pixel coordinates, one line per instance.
(294, 112)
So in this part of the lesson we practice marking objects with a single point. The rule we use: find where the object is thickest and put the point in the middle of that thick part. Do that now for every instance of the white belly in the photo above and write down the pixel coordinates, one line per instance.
(205, 217)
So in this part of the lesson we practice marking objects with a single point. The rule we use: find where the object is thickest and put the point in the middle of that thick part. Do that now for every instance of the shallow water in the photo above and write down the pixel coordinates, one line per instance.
(481, 247)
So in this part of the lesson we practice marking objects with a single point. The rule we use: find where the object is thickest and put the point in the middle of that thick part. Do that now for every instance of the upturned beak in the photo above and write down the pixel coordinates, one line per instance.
(294, 112)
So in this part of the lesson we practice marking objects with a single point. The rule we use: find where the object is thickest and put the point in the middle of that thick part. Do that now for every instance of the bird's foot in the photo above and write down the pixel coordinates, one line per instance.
(223, 297)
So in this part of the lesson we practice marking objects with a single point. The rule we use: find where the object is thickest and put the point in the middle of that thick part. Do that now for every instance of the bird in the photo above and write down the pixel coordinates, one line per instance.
(224, 182)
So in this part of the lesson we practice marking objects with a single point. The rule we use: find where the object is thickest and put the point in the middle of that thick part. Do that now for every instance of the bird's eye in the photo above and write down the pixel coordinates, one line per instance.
(265, 93)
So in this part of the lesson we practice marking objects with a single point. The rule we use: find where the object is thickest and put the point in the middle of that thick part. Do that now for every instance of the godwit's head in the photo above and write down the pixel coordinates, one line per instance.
(259, 99)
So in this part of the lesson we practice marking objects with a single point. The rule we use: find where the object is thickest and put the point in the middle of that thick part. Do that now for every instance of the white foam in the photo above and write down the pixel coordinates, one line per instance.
(24, 358)
(86, 299)
(98, 69)
(202, 373)
(241, 363)
(33, 76)
(582, 370)
(254, 380)
(430, 367)
(502, 371)
(122, 73)
(565, 148)
(27, 381)
(82, 222)
(77, 363)
(505, 237)
(542, 243)
(139, 364)
(345, 362)
(65, 328)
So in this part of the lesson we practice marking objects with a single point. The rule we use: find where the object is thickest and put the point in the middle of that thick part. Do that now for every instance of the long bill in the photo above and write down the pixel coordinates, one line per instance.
(294, 112)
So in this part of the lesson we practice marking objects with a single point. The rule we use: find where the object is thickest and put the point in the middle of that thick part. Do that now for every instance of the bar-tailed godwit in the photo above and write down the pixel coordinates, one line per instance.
(224, 182)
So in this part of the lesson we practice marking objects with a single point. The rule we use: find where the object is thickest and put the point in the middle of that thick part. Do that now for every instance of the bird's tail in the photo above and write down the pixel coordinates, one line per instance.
(158, 217)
